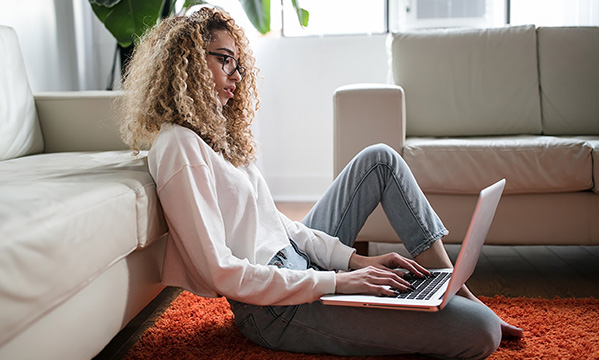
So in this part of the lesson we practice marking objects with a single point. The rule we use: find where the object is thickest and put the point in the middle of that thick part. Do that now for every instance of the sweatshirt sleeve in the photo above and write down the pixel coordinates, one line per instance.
(190, 203)
(325, 250)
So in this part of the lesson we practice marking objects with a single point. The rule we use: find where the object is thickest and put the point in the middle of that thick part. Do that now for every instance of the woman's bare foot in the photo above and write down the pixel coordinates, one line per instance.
(510, 331)
(436, 257)
(507, 330)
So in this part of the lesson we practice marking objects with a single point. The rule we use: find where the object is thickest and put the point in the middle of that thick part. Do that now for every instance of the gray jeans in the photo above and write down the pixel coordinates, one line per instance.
(464, 329)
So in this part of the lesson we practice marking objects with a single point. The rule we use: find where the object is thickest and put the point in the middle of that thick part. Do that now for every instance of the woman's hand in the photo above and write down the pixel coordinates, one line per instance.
(370, 280)
(388, 261)
(376, 275)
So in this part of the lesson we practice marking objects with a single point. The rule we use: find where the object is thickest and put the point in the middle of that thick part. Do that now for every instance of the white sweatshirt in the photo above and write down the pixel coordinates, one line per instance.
(224, 228)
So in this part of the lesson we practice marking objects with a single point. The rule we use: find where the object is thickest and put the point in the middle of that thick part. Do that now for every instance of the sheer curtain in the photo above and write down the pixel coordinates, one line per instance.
(64, 46)
(95, 49)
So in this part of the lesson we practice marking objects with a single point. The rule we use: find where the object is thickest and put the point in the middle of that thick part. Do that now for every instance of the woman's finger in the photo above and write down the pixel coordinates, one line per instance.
(415, 268)
(390, 278)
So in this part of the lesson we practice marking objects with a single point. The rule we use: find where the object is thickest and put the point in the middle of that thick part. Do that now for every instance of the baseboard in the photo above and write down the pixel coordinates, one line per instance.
(130, 334)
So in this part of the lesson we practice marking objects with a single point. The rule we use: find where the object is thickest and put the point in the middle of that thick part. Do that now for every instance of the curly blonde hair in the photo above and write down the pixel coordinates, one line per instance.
(168, 81)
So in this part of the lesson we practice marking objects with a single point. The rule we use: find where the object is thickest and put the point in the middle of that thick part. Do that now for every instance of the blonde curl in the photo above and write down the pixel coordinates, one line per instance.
(168, 81)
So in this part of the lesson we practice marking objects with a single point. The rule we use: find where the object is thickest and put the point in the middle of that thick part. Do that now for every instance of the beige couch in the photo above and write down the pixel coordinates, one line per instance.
(82, 232)
(469, 107)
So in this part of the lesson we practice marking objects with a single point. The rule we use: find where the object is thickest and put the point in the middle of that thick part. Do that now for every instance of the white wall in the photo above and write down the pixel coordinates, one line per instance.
(295, 124)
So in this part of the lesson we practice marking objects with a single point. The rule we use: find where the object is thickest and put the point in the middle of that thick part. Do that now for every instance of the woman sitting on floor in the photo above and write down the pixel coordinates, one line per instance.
(191, 95)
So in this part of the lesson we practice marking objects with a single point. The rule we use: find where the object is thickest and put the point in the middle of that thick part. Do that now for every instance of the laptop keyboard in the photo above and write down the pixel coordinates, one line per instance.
(425, 287)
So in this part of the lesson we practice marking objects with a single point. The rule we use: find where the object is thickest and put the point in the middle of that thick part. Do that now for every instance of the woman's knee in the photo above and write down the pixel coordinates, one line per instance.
(380, 154)
(488, 341)
(379, 150)
(485, 333)
(475, 330)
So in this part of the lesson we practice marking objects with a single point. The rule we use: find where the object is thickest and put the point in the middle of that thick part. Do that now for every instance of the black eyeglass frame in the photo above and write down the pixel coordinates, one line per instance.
(238, 68)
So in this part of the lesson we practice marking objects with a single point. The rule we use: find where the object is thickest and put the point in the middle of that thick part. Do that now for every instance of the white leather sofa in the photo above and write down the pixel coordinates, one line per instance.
(81, 230)
(469, 107)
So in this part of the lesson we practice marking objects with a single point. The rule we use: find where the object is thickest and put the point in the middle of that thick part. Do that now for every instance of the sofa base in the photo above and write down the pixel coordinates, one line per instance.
(80, 327)
(526, 219)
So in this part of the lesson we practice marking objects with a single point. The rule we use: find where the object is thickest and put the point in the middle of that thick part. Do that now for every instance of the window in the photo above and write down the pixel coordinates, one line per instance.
(554, 12)
(339, 17)
(344, 17)
(336, 17)
(425, 14)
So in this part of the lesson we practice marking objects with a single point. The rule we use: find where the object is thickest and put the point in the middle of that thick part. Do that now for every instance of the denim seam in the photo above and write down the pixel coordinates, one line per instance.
(408, 201)
(280, 317)
(301, 252)
(431, 238)
(251, 319)
(351, 199)
(429, 242)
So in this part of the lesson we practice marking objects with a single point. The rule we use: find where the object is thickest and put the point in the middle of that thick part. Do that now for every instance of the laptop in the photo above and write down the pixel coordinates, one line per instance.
(433, 293)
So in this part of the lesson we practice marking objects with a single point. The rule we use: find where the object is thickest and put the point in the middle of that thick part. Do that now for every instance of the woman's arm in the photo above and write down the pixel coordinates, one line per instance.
(373, 275)
(323, 249)
(190, 203)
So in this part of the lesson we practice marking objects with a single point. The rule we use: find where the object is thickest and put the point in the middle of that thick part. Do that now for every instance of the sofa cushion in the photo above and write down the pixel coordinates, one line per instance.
(19, 128)
(569, 78)
(469, 82)
(530, 164)
(65, 218)
(593, 143)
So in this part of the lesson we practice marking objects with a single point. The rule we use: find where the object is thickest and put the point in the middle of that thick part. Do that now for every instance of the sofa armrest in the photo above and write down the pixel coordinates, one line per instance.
(79, 121)
(367, 114)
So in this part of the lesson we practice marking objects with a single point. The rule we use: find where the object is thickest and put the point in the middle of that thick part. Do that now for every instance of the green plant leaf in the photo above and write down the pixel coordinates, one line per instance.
(128, 19)
(189, 3)
(171, 7)
(303, 15)
(258, 11)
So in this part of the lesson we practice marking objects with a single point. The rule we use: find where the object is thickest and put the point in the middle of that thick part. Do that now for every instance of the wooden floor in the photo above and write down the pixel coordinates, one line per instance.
(512, 271)
(538, 271)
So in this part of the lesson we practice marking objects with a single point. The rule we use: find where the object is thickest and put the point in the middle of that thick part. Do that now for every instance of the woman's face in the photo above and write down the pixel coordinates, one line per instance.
(220, 51)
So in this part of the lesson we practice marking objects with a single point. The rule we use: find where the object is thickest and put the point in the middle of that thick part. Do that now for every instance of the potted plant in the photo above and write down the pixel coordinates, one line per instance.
(128, 19)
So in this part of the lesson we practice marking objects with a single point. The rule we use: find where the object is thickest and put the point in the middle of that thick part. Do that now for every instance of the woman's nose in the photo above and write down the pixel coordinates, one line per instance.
(236, 76)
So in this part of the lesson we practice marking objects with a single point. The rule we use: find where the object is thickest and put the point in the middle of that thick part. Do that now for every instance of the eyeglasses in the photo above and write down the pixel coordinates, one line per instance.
(229, 64)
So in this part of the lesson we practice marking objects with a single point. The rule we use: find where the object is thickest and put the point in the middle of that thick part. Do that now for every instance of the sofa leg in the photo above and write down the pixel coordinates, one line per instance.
(361, 247)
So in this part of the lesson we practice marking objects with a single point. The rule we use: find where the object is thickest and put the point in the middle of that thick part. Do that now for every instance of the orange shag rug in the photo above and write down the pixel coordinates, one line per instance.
(200, 328)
